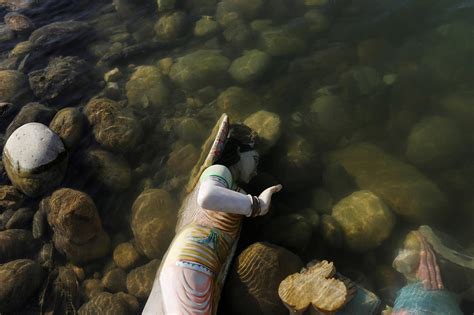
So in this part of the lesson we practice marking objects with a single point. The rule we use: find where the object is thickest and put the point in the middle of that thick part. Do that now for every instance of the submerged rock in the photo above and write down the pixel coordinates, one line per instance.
(68, 124)
(21, 219)
(147, 88)
(252, 285)
(331, 231)
(290, 231)
(436, 142)
(21, 49)
(13, 86)
(365, 220)
(115, 280)
(15, 244)
(8, 112)
(10, 198)
(165, 5)
(181, 160)
(76, 225)
(199, 69)
(237, 102)
(59, 34)
(105, 303)
(110, 170)
(403, 188)
(126, 256)
(250, 67)
(171, 26)
(31, 112)
(140, 280)
(115, 127)
(35, 159)
(20, 279)
(330, 115)
(18, 22)
(61, 78)
(153, 220)
(206, 26)
(191, 130)
(239, 34)
(60, 293)
(91, 288)
(279, 42)
(268, 127)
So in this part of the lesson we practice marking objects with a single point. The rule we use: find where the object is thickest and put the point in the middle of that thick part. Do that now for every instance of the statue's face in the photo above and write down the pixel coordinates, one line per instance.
(248, 165)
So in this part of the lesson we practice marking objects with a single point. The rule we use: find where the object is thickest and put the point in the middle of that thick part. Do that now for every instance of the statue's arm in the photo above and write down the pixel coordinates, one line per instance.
(213, 195)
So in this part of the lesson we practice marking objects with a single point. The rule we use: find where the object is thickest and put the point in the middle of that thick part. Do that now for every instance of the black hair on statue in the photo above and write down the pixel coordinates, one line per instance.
(240, 139)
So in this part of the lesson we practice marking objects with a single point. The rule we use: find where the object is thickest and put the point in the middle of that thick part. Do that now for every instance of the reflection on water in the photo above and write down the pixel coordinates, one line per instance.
(365, 108)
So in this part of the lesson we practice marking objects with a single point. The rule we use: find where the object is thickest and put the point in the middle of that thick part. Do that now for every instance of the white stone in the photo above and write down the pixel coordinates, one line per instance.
(33, 145)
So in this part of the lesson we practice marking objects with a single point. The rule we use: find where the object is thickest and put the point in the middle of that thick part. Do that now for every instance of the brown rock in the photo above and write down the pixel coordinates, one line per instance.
(13, 86)
(140, 280)
(68, 124)
(105, 303)
(18, 22)
(91, 288)
(16, 244)
(10, 198)
(115, 280)
(126, 256)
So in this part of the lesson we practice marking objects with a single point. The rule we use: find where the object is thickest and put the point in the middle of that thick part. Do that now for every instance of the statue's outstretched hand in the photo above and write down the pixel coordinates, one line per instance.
(266, 198)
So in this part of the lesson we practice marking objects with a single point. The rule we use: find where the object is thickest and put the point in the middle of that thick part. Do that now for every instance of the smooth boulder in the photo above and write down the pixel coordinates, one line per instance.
(140, 280)
(147, 88)
(250, 67)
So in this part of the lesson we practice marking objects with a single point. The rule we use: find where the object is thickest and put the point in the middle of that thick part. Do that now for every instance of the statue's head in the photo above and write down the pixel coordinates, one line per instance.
(240, 152)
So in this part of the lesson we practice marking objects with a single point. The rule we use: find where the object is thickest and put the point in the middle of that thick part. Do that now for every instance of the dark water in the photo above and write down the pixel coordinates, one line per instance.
(397, 74)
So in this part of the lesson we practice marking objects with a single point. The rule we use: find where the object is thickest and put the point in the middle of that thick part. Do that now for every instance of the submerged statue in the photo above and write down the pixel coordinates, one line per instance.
(193, 270)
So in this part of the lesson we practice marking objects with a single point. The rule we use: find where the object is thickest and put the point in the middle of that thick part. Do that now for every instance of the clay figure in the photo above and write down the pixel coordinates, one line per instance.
(192, 272)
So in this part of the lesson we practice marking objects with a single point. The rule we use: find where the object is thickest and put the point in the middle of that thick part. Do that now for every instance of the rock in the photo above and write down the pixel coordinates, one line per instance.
(133, 304)
(460, 106)
(114, 127)
(372, 51)
(171, 26)
(68, 124)
(206, 26)
(252, 285)
(164, 64)
(153, 220)
(181, 160)
(17, 4)
(331, 231)
(126, 256)
(147, 88)
(61, 78)
(140, 280)
(10, 198)
(45, 256)
(337, 180)
(365, 220)
(110, 170)
(105, 303)
(76, 225)
(61, 292)
(261, 25)
(227, 13)
(8, 111)
(231, 10)
(13, 86)
(199, 69)
(112, 91)
(31, 112)
(40, 223)
(239, 34)
(6, 34)
(322, 62)
(21, 219)
(5, 217)
(115, 280)
(268, 127)
(311, 3)
(436, 142)
(20, 279)
(18, 22)
(191, 130)
(237, 102)
(311, 217)
(35, 159)
(91, 288)
(59, 34)
(317, 21)
(290, 231)
(113, 75)
(21, 49)
(250, 67)
(361, 81)
(165, 5)
(15, 244)
(278, 42)
(403, 188)
(331, 114)
(322, 201)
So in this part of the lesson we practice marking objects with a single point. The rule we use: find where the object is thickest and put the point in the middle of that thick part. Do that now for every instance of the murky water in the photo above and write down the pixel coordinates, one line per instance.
(356, 95)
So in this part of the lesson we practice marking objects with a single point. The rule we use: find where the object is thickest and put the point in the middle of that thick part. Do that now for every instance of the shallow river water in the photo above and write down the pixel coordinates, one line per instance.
(365, 110)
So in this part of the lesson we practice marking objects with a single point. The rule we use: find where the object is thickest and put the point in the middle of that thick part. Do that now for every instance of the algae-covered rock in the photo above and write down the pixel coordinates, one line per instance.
(15, 244)
(126, 256)
(10, 198)
(317, 21)
(330, 115)
(436, 142)
(290, 231)
(59, 34)
(181, 160)
(20, 279)
(105, 303)
(237, 102)
(61, 78)
(91, 288)
(140, 280)
(199, 69)
(35, 159)
(110, 170)
(13, 86)
(68, 124)
(250, 67)
(76, 225)
(279, 42)
(115, 280)
(268, 127)
(252, 284)
(115, 127)
(403, 188)
(230, 10)
(206, 26)
(191, 130)
(165, 5)
(147, 88)
(239, 34)
(153, 220)
(171, 26)
(365, 220)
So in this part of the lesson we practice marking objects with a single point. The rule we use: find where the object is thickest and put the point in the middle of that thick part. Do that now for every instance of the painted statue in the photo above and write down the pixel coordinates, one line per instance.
(192, 272)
